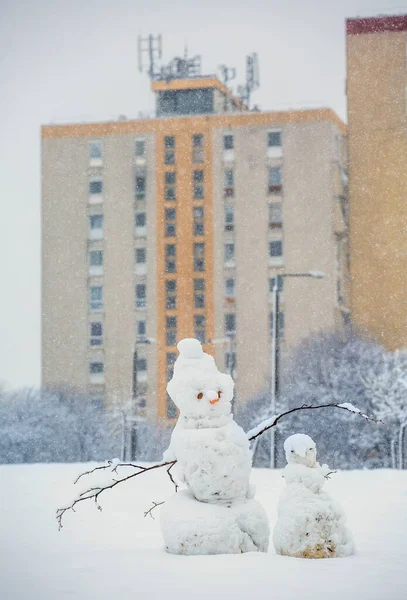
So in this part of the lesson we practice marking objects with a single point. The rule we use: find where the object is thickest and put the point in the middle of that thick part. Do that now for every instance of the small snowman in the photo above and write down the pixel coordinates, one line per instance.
(217, 512)
(310, 524)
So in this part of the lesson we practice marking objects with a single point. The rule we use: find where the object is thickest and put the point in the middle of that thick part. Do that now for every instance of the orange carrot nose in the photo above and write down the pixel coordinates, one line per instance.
(214, 401)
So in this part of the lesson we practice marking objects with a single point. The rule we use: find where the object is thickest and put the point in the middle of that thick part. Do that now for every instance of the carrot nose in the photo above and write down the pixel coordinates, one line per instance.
(214, 401)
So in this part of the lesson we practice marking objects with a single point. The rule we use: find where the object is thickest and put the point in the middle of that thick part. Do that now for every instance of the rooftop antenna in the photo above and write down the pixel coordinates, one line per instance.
(226, 75)
(252, 78)
(152, 46)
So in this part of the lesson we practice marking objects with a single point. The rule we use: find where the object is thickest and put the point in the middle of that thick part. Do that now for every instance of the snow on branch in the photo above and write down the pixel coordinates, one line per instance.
(112, 466)
(272, 421)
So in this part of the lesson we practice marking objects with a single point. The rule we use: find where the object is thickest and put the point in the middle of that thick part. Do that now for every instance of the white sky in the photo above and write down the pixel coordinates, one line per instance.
(76, 60)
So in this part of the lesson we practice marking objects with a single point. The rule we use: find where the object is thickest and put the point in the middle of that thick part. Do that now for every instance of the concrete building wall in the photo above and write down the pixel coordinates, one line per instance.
(376, 89)
(64, 263)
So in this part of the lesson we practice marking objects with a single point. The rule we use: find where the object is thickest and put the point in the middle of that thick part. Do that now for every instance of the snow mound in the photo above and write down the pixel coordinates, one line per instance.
(190, 348)
(191, 527)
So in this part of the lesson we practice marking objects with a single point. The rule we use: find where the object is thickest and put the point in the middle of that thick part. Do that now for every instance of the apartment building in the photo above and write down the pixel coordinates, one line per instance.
(377, 101)
(176, 226)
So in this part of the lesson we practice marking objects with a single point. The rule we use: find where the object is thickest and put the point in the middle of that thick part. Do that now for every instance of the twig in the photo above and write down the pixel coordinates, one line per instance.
(171, 477)
(96, 491)
(269, 423)
(150, 510)
(327, 476)
(109, 466)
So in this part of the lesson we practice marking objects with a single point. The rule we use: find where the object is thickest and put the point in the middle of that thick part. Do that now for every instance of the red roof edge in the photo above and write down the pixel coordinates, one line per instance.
(376, 24)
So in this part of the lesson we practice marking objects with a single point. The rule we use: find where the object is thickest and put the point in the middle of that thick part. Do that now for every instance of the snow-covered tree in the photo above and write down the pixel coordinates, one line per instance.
(386, 386)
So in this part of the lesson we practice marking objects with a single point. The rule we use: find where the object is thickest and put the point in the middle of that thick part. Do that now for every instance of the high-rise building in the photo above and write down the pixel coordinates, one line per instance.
(376, 90)
(175, 226)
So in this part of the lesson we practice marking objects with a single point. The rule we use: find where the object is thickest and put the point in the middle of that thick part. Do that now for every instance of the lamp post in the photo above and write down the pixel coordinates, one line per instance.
(275, 351)
(135, 417)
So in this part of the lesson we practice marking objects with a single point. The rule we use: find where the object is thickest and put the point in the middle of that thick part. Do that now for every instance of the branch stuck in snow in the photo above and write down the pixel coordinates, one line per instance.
(150, 510)
(94, 492)
(113, 465)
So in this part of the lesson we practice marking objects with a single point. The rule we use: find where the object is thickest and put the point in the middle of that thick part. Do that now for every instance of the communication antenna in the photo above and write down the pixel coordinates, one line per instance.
(252, 78)
(226, 74)
(152, 47)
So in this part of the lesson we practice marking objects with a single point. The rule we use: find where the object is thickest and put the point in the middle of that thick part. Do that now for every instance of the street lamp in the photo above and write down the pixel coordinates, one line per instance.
(275, 350)
(134, 419)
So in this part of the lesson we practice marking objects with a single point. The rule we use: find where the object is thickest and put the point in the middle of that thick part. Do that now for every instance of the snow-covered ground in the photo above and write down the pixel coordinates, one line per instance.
(118, 554)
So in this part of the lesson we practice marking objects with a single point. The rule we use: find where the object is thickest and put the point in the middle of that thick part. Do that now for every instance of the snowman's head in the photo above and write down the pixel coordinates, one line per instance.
(197, 387)
(300, 449)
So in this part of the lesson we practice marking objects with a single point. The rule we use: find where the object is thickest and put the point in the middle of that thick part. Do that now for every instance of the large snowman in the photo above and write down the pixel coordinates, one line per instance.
(310, 524)
(216, 513)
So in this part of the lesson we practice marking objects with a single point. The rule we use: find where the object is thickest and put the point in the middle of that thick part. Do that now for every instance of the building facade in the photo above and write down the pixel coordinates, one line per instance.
(377, 101)
(172, 227)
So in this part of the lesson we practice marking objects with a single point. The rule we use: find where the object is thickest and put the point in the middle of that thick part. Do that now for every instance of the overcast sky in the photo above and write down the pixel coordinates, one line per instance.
(76, 60)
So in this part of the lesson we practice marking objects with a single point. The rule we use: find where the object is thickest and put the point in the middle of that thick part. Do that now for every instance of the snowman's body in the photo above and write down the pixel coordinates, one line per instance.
(310, 524)
(214, 462)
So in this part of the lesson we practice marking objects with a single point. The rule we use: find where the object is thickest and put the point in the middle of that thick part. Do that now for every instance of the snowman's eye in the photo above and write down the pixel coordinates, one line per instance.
(200, 396)
(292, 450)
(311, 448)
(219, 394)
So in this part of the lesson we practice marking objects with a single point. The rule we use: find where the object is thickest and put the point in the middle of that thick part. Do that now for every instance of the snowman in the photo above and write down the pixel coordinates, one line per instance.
(310, 524)
(217, 513)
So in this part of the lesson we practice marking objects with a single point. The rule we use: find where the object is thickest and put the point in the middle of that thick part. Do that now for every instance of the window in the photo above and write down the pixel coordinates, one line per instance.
(199, 293)
(170, 177)
(199, 257)
(140, 187)
(281, 324)
(170, 258)
(198, 181)
(95, 297)
(141, 255)
(280, 283)
(95, 186)
(171, 294)
(276, 248)
(228, 142)
(171, 331)
(230, 288)
(275, 180)
(96, 368)
(96, 333)
(197, 148)
(275, 215)
(198, 213)
(230, 323)
(199, 322)
(229, 252)
(96, 221)
(229, 218)
(141, 364)
(274, 139)
(141, 328)
(169, 145)
(140, 148)
(170, 181)
(140, 219)
(141, 295)
(170, 226)
(230, 361)
(96, 150)
(96, 258)
(228, 183)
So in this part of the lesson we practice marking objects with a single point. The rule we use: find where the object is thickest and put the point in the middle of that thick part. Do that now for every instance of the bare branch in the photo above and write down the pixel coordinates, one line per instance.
(171, 477)
(110, 466)
(150, 510)
(95, 492)
(272, 422)
(327, 476)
